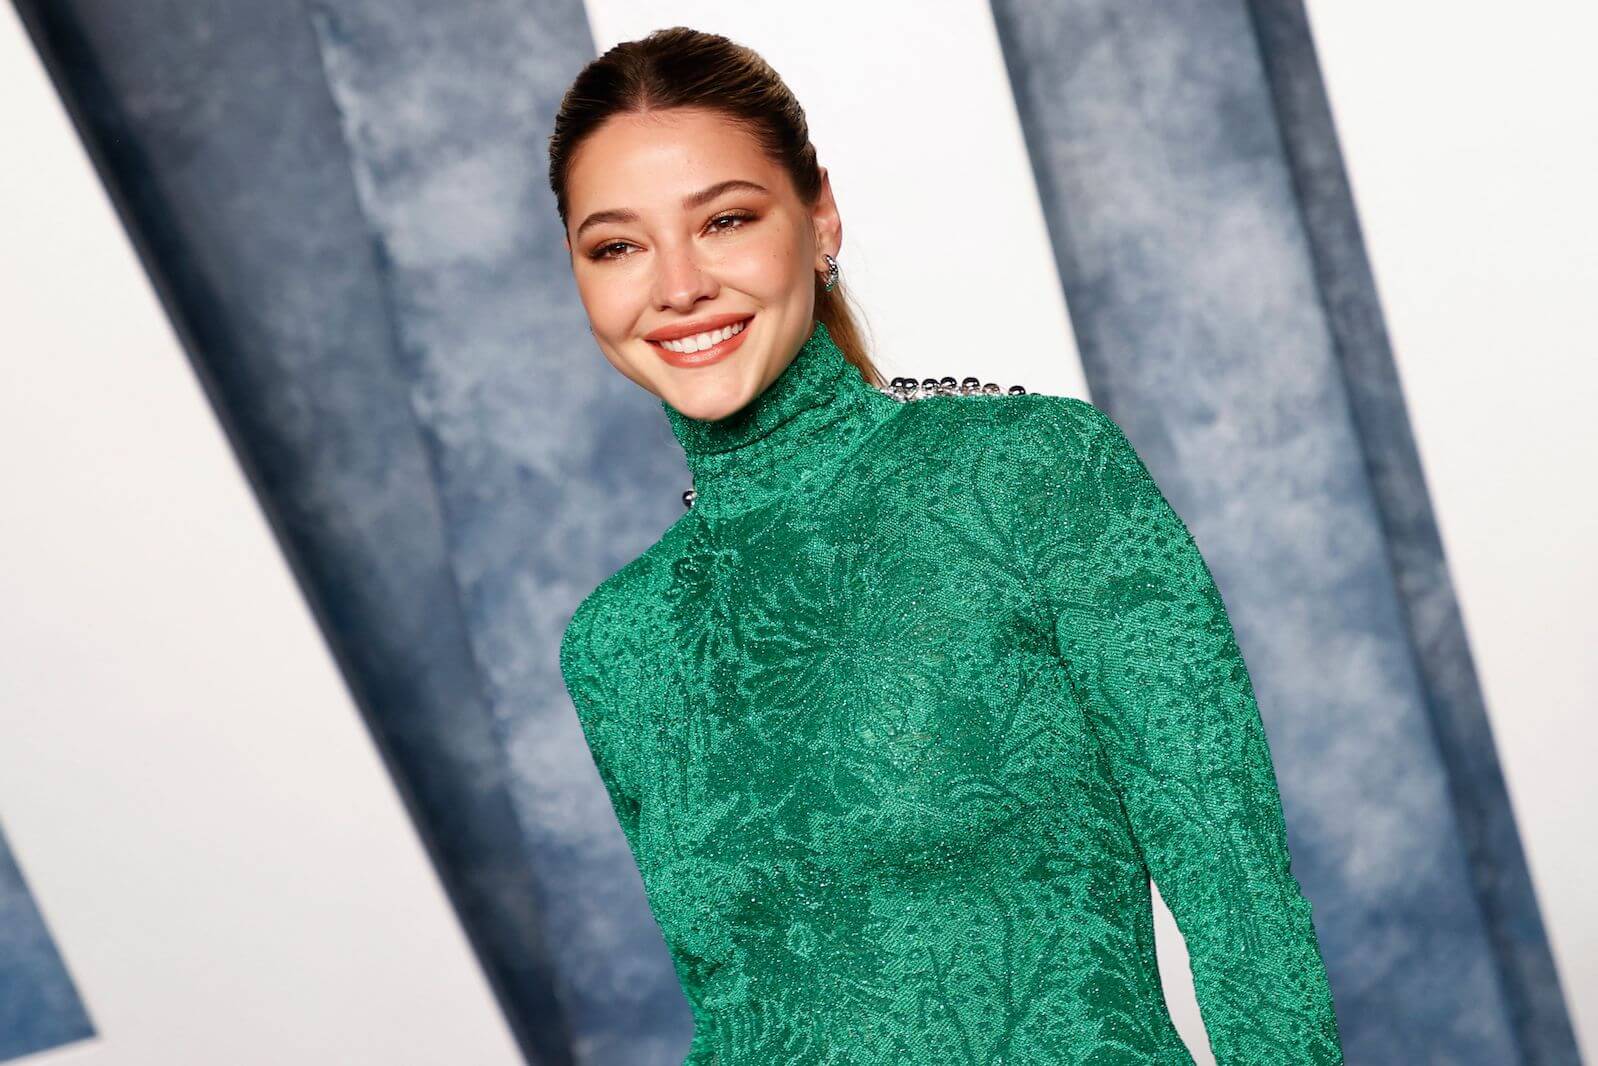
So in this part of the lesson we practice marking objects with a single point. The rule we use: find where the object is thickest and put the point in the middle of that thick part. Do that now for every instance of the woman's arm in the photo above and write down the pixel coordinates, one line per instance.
(589, 658)
(1152, 658)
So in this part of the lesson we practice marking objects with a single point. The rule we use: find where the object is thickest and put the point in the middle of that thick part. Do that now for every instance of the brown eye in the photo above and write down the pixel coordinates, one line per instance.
(602, 252)
(733, 216)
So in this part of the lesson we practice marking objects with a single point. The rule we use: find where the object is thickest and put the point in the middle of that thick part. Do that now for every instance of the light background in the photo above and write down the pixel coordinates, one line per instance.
(183, 778)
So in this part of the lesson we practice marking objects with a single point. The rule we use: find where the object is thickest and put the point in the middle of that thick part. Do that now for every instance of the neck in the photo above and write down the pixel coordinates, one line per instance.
(767, 450)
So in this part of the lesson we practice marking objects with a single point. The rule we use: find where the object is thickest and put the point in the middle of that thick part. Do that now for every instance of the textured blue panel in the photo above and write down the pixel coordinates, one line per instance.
(39, 1004)
(551, 469)
(1193, 286)
(214, 132)
(1454, 696)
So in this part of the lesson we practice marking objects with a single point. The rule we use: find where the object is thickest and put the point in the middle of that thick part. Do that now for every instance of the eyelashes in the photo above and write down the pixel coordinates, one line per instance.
(601, 253)
(740, 216)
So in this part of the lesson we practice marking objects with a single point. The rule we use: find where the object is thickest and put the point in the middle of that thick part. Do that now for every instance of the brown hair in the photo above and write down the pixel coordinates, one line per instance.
(683, 67)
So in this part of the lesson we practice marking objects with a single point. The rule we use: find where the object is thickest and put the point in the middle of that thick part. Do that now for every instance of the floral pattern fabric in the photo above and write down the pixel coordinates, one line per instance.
(900, 718)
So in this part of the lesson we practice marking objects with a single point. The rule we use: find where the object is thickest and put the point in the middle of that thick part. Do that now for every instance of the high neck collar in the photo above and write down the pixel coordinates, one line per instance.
(813, 412)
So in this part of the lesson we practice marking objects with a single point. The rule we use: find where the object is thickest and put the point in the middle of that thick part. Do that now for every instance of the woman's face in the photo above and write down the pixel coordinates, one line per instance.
(678, 223)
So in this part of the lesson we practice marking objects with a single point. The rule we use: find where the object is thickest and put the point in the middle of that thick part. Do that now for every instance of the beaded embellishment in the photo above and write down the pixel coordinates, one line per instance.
(906, 389)
(912, 389)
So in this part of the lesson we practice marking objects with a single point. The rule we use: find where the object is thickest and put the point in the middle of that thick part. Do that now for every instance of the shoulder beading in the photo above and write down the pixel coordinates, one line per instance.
(908, 388)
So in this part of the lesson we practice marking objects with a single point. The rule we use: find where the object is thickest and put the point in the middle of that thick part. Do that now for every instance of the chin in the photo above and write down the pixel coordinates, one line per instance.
(711, 397)
(708, 405)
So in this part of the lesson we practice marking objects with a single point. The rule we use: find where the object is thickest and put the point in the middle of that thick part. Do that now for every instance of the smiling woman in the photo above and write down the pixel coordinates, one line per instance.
(689, 227)
(902, 715)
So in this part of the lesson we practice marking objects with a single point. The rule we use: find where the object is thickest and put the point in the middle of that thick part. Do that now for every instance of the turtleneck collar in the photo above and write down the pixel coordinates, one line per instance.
(814, 411)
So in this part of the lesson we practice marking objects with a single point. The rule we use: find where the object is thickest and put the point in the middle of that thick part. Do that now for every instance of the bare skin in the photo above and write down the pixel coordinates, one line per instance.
(742, 252)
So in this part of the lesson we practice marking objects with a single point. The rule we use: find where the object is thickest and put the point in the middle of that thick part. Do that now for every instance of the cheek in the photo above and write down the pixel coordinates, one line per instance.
(770, 267)
(612, 299)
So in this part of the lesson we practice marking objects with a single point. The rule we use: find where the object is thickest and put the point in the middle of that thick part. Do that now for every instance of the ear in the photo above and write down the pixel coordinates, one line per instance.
(824, 218)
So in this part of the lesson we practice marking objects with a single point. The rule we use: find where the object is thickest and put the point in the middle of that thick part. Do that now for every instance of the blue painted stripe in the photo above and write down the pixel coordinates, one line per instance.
(39, 1005)
(521, 416)
(1454, 698)
(219, 144)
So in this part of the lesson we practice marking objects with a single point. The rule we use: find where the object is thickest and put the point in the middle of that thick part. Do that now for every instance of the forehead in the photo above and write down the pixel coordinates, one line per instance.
(649, 162)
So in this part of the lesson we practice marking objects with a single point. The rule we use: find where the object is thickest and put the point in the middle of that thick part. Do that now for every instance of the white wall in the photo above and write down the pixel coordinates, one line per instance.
(189, 791)
(1470, 131)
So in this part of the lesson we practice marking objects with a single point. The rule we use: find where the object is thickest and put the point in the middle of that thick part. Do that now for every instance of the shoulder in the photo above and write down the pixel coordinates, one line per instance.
(985, 434)
(610, 626)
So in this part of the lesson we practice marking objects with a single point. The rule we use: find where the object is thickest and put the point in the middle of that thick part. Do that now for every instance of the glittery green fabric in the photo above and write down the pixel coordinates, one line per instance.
(900, 717)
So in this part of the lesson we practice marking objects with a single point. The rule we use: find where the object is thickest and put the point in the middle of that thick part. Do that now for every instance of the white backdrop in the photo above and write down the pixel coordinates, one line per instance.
(220, 856)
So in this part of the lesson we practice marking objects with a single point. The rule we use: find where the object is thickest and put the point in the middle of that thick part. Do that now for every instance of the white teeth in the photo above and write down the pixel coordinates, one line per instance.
(700, 341)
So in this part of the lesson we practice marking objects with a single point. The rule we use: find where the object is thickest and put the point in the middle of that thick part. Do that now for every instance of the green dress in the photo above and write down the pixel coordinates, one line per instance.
(900, 717)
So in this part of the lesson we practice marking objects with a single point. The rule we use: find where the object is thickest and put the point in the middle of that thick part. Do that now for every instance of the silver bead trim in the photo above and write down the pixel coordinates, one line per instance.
(906, 389)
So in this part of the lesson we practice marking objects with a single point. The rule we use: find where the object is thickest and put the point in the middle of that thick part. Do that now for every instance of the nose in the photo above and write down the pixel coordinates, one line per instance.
(680, 279)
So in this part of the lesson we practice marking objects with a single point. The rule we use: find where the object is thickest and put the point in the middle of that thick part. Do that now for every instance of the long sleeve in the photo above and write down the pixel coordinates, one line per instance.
(1152, 658)
(589, 661)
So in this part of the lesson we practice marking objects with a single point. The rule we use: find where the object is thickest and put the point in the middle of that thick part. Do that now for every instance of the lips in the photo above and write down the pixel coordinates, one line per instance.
(705, 356)
(678, 330)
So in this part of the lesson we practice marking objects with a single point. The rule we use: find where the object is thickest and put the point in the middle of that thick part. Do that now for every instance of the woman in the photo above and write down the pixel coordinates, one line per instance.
(903, 712)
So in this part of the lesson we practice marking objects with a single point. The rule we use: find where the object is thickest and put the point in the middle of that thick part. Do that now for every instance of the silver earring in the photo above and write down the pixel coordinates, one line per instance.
(832, 271)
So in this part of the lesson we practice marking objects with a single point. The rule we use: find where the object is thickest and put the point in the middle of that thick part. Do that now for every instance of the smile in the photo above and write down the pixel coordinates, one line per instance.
(701, 341)
(701, 349)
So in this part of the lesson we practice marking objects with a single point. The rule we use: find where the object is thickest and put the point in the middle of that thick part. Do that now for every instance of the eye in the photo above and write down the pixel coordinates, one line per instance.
(737, 217)
(603, 251)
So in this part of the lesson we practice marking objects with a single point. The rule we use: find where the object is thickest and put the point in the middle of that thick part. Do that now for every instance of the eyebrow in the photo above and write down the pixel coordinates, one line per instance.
(698, 199)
